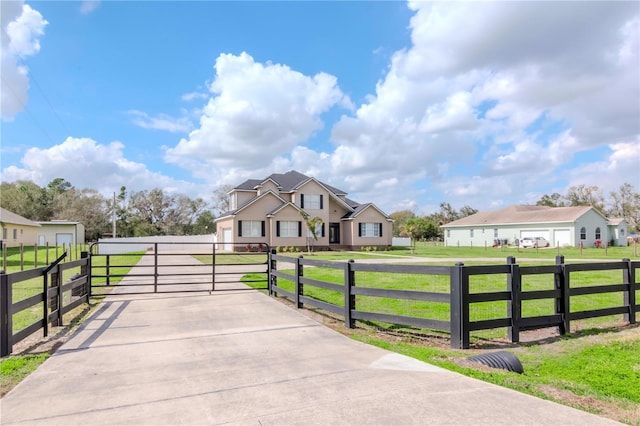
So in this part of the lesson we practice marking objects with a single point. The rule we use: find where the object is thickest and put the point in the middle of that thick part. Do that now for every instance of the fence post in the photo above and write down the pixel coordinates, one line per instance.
(299, 287)
(562, 305)
(349, 297)
(459, 307)
(21, 256)
(107, 267)
(55, 302)
(85, 271)
(514, 306)
(35, 256)
(155, 267)
(273, 266)
(6, 319)
(213, 269)
(629, 278)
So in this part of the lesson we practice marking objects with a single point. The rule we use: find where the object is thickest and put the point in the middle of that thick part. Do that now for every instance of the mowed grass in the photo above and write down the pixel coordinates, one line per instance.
(25, 289)
(30, 257)
(599, 372)
(439, 251)
(595, 368)
(478, 311)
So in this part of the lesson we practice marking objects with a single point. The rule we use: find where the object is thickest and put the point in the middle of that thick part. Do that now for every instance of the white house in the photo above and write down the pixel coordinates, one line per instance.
(561, 226)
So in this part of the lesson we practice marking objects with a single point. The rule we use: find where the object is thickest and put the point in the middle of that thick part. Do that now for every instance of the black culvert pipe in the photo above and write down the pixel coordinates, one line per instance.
(502, 359)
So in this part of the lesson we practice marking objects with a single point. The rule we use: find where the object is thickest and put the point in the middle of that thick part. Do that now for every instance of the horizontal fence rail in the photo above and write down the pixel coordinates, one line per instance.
(23, 305)
(167, 267)
(449, 298)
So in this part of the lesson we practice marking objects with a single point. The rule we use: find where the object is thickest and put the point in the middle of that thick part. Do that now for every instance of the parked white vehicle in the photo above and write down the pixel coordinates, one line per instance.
(534, 242)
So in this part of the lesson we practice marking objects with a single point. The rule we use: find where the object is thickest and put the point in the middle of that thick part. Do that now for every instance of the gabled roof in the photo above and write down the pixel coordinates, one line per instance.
(287, 182)
(518, 214)
(615, 221)
(9, 217)
(362, 207)
(248, 203)
(281, 207)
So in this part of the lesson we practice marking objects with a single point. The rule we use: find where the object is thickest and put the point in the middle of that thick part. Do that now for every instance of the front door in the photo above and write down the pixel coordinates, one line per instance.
(334, 233)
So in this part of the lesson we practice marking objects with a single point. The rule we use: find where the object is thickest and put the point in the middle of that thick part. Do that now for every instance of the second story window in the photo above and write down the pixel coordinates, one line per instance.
(311, 201)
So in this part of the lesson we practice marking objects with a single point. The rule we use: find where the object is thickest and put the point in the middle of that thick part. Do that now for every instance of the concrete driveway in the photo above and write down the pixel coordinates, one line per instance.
(239, 357)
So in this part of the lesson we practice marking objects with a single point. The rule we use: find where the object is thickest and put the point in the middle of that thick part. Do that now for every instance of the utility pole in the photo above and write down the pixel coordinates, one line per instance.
(113, 216)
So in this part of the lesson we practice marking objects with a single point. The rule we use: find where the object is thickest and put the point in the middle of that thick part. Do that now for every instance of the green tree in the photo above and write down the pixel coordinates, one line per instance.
(553, 200)
(626, 203)
(312, 226)
(400, 219)
(205, 224)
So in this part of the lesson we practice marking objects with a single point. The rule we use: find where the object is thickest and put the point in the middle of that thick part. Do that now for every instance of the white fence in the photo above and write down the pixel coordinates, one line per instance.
(397, 241)
(171, 242)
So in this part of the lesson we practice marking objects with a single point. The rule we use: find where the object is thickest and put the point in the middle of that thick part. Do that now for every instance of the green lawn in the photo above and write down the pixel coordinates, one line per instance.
(595, 368)
(29, 257)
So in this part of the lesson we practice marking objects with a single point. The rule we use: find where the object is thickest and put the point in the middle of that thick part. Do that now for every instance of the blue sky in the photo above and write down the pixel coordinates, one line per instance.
(403, 104)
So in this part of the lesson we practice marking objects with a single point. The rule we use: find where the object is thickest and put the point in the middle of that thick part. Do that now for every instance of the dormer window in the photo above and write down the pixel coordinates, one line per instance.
(311, 201)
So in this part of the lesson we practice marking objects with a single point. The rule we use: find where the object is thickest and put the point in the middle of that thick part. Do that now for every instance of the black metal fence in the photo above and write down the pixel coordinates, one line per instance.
(48, 305)
(450, 298)
(167, 267)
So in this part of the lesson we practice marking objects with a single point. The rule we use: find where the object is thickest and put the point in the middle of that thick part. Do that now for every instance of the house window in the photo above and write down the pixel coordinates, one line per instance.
(370, 229)
(448, 233)
(495, 232)
(583, 233)
(4, 233)
(621, 232)
(471, 233)
(597, 233)
(288, 228)
(15, 234)
(311, 201)
(251, 228)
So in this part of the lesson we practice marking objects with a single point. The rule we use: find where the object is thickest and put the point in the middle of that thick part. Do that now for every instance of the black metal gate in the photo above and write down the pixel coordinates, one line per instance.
(125, 267)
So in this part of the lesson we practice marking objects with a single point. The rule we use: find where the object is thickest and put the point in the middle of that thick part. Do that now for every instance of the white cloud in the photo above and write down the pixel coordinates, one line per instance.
(256, 114)
(620, 166)
(88, 6)
(484, 92)
(86, 163)
(22, 27)
(552, 82)
(161, 122)
(188, 97)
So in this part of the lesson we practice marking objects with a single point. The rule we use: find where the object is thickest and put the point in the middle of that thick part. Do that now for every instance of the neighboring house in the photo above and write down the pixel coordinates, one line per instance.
(561, 226)
(269, 211)
(59, 232)
(17, 230)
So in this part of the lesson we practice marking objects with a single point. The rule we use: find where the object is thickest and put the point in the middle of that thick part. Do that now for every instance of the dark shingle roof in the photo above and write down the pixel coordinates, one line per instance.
(288, 181)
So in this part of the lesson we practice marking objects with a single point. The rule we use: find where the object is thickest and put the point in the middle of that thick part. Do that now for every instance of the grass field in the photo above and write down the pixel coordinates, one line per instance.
(30, 257)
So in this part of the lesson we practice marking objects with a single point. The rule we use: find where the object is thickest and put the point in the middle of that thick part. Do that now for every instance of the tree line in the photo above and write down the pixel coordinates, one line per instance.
(624, 203)
(138, 213)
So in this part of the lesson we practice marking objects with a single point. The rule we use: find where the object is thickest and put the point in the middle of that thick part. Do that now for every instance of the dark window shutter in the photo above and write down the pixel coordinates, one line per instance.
(239, 228)
(360, 229)
(322, 225)
(278, 228)
(302, 201)
(263, 233)
(380, 225)
(299, 229)
(320, 201)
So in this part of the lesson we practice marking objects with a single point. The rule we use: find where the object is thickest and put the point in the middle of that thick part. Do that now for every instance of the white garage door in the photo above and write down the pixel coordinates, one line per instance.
(64, 239)
(561, 237)
(544, 233)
